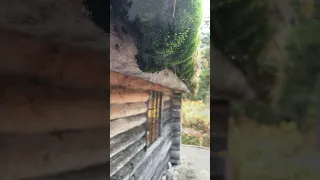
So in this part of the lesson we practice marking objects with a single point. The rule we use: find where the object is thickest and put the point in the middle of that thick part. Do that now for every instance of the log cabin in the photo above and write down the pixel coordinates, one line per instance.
(54, 92)
(145, 111)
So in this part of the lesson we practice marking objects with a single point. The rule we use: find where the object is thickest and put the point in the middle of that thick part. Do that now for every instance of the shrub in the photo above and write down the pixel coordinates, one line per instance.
(196, 123)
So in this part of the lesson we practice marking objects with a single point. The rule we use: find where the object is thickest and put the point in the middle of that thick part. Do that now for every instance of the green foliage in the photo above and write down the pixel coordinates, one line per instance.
(195, 123)
(203, 92)
(167, 42)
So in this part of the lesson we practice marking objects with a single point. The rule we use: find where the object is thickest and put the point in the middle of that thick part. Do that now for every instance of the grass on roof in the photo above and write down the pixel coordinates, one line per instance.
(165, 41)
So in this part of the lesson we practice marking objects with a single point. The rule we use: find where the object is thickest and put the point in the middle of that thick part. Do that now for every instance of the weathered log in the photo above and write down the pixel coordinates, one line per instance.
(126, 110)
(121, 80)
(93, 173)
(157, 158)
(174, 154)
(27, 108)
(124, 140)
(121, 125)
(176, 126)
(123, 96)
(126, 172)
(147, 162)
(122, 158)
(166, 130)
(160, 171)
(176, 114)
(175, 147)
(175, 161)
(58, 64)
(35, 155)
(176, 139)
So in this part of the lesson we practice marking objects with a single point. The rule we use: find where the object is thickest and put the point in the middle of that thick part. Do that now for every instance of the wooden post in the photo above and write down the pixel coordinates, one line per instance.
(219, 138)
(176, 131)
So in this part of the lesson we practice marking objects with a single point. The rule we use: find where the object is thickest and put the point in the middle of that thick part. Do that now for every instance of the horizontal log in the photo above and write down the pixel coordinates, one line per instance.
(158, 157)
(147, 162)
(174, 154)
(122, 158)
(176, 114)
(125, 173)
(124, 140)
(175, 147)
(30, 108)
(162, 168)
(176, 139)
(126, 110)
(175, 162)
(36, 155)
(176, 126)
(176, 133)
(93, 173)
(59, 64)
(121, 125)
(123, 96)
(175, 107)
(176, 119)
(118, 79)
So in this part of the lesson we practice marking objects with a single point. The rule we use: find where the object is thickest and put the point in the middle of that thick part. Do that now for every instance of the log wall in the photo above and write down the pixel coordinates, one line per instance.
(129, 156)
(54, 111)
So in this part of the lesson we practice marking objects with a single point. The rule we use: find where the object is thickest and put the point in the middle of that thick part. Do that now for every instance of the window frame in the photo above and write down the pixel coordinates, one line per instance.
(154, 107)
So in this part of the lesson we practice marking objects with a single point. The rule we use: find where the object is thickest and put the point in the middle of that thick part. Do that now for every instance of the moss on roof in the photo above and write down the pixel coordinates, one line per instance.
(164, 40)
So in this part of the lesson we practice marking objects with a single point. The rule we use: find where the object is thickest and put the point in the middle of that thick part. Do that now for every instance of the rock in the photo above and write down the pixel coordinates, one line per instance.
(170, 174)
(164, 177)
(169, 165)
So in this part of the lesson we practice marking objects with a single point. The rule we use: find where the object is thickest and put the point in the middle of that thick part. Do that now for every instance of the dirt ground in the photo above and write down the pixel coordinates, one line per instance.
(195, 164)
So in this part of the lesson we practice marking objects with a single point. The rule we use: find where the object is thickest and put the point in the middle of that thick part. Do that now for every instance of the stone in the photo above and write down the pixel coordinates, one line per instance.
(164, 177)
(169, 165)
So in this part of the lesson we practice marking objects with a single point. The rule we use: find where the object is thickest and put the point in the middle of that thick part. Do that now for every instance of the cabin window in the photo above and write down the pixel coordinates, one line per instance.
(154, 116)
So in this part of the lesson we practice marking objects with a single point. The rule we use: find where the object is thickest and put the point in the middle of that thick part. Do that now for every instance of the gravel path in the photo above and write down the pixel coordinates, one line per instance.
(195, 164)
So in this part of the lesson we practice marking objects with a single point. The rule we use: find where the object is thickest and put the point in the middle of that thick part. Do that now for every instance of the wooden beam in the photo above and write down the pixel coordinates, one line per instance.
(126, 110)
(124, 140)
(36, 155)
(58, 64)
(121, 159)
(125, 172)
(31, 108)
(121, 125)
(122, 96)
(118, 79)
